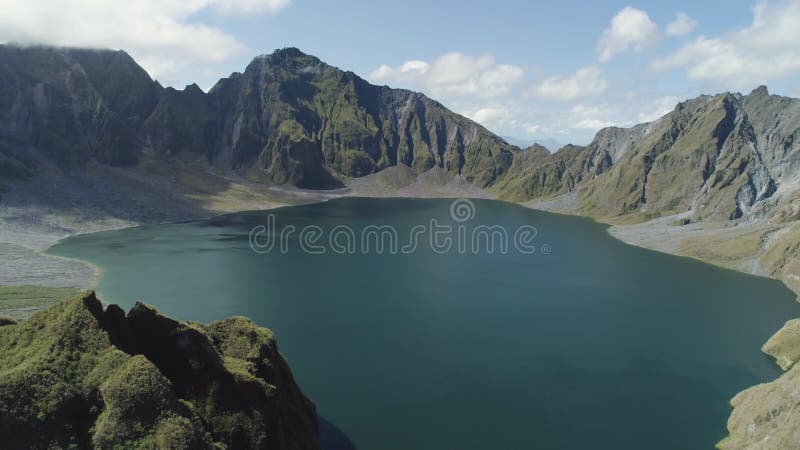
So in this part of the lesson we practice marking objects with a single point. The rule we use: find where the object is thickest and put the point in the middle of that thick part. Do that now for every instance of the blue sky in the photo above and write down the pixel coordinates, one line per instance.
(526, 69)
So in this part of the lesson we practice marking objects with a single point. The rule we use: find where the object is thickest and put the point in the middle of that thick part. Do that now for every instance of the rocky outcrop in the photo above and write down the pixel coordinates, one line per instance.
(784, 346)
(78, 375)
(767, 416)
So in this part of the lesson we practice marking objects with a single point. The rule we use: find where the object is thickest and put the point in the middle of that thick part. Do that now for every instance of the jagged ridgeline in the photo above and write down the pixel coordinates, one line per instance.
(78, 376)
(289, 118)
(722, 157)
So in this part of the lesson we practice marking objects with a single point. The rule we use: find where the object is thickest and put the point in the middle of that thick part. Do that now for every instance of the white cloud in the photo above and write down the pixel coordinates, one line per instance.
(585, 82)
(247, 7)
(534, 128)
(494, 117)
(631, 27)
(765, 51)
(658, 108)
(590, 117)
(578, 122)
(593, 124)
(453, 74)
(163, 35)
(476, 86)
(682, 24)
(408, 71)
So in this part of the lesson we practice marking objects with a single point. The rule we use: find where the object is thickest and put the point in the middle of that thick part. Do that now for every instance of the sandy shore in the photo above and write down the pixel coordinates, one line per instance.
(36, 214)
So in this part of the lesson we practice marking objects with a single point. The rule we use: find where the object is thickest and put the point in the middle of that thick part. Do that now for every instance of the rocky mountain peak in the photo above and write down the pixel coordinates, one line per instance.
(288, 53)
(537, 148)
(290, 59)
(760, 91)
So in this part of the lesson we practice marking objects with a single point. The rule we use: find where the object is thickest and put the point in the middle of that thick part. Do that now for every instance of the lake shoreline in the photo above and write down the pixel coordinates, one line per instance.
(643, 235)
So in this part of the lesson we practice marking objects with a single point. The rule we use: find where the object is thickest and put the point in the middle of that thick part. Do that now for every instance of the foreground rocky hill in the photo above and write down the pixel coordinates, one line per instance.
(81, 376)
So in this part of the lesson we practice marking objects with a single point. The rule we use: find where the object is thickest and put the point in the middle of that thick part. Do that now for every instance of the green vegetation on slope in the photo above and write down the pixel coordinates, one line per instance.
(76, 376)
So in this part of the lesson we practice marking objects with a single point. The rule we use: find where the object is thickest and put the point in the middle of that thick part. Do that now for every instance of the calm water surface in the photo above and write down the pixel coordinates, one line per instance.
(595, 345)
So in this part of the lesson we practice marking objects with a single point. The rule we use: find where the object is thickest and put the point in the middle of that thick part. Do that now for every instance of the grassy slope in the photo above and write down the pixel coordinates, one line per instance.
(21, 301)
(76, 376)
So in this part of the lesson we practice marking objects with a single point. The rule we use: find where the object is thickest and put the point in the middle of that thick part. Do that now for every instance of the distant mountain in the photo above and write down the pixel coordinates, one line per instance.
(548, 143)
(289, 118)
(519, 142)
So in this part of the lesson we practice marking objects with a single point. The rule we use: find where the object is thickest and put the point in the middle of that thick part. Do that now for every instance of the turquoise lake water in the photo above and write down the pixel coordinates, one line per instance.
(587, 343)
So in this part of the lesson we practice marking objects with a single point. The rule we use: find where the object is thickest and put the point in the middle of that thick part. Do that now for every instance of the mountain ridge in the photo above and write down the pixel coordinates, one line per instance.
(289, 118)
(632, 170)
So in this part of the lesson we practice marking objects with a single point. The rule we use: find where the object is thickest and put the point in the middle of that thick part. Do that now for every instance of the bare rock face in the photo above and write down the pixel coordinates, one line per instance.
(703, 157)
(536, 174)
(616, 142)
(62, 108)
(288, 118)
(78, 376)
(723, 157)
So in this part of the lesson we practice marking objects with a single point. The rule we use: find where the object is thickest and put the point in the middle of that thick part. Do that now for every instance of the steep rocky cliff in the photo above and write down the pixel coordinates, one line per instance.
(79, 376)
(722, 157)
(288, 118)
(61, 108)
(703, 157)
